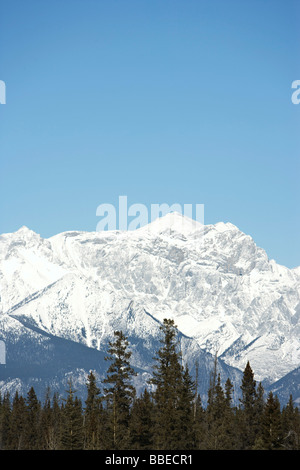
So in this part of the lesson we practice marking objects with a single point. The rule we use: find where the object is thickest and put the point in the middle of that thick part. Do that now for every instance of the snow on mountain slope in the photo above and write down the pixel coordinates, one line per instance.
(25, 266)
(220, 288)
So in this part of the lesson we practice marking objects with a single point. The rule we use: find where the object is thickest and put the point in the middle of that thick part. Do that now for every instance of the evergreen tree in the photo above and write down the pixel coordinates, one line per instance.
(219, 417)
(141, 423)
(92, 415)
(229, 424)
(5, 412)
(271, 424)
(198, 413)
(54, 436)
(46, 413)
(72, 422)
(185, 408)
(17, 423)
(248, 416)
(199, 424)
(228, 392)
(32, 426)
(120, 393)
(210, 440)
(258, 410)
(259, 402)
(167, 378)
(50, 423)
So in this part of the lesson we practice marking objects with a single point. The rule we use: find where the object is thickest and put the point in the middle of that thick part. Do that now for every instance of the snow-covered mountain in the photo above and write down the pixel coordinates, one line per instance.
(62, 298)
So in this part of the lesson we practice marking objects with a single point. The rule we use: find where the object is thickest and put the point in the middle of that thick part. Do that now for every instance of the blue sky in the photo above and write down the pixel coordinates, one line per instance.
(164, 101)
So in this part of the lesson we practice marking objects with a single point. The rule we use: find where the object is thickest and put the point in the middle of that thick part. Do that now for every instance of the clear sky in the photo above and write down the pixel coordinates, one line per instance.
(165, 101)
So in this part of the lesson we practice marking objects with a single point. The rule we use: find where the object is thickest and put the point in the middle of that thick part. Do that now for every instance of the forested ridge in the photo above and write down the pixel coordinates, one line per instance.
(170, 416)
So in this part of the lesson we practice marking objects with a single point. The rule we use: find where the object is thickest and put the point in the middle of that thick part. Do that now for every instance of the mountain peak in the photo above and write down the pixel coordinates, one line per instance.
(26, 232)
(24, 229)
(174, 222)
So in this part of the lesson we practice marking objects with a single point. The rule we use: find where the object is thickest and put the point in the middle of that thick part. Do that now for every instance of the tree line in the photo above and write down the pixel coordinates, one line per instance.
(170, 416)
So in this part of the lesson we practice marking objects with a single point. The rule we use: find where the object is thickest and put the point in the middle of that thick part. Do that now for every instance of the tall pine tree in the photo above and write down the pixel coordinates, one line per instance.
(141, 423)
(272, 435)
(186, 409)
(291, 426)
(248, 416)
(17, 423)
(92, 415)
(72, 422)
(32, 435)
(167, 379)
(120, 392)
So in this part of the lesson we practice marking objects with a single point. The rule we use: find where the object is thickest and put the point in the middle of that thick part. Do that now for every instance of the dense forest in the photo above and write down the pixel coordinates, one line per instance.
(170, 416)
